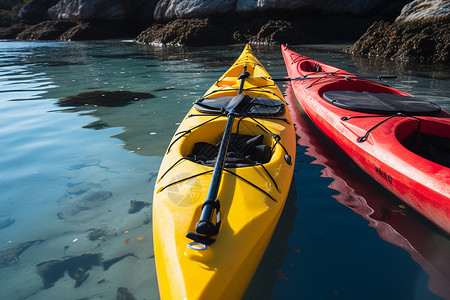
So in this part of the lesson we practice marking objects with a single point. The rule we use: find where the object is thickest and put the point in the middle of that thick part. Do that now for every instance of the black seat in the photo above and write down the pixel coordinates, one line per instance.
(256, 107)
(381, 103)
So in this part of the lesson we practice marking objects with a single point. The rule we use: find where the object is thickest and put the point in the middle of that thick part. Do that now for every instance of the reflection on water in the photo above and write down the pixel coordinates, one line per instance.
(71, 179)
(393, 220)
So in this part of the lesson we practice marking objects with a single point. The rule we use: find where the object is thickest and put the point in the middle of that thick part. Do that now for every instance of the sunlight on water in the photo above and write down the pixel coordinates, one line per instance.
(70, 178)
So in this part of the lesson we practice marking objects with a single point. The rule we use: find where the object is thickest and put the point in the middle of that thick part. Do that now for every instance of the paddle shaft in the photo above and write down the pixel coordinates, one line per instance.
(379, 77)
(204, 225)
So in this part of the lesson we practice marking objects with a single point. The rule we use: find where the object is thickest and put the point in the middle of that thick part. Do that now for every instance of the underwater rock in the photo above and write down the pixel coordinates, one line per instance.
(51, 271)
(6, 223)
(136, 206)
(107, 264)
(97, 125)
(124, 294)
(10, 255)
(79, 209)
(103, 98)
(101, 232)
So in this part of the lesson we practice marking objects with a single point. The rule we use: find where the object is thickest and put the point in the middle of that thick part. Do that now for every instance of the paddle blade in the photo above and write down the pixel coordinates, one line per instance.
(237, 102)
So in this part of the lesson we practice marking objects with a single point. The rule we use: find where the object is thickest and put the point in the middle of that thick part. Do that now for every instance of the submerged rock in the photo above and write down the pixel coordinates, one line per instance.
(6, 223)
(51, 271)
(136, 206)
(102, 232)
(108, 263)
(97, 125)
(103, 98)
(79, 208)
(124, 294)
(10, 255)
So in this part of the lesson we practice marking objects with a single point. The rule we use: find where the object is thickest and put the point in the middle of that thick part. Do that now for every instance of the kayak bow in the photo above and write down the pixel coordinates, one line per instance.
(229, 165)
(401, 141)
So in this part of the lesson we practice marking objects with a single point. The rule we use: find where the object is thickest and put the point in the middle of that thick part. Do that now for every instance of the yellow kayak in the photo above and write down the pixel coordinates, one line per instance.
(222, 185)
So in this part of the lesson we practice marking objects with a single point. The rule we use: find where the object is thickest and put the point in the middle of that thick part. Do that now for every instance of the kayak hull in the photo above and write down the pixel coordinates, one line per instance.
(251, 197)
(386, 155)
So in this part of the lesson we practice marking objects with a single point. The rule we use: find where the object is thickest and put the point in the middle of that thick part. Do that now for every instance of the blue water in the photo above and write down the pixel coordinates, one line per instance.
(67, 173)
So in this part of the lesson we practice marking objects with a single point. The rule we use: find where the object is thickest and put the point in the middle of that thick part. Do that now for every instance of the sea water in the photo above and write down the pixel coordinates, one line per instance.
(76, 183)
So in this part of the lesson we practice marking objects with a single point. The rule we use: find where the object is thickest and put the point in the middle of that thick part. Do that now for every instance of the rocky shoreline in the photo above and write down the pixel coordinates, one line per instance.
(420, 33)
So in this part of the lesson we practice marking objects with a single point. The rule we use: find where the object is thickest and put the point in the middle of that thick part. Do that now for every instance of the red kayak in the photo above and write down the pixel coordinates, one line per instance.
(401, 141)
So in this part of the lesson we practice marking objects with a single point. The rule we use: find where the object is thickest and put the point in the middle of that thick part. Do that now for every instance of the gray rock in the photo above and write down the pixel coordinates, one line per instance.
(36, 10)
(104, 10)
(420, 9)
(173, 9)
(355, 7)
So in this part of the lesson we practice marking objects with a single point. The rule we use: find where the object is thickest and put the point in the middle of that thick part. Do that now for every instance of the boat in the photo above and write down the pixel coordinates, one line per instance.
(222, 185)
(401, 141)
(394, 222)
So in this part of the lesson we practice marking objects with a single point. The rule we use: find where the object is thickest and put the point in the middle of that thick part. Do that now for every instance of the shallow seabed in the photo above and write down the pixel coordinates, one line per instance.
(76, 183)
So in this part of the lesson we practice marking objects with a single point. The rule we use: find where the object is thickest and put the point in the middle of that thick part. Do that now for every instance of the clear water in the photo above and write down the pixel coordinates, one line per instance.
(67, 173)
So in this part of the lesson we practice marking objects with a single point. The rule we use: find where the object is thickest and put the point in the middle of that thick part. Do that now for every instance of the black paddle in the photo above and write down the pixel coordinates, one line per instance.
(379, 77)
(205, 227)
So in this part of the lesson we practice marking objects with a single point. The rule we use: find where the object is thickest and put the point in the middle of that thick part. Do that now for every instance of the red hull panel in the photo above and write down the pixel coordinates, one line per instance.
(422, 184)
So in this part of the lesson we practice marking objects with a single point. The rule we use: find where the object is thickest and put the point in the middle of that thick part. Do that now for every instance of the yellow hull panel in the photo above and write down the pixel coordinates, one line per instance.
(249, 215)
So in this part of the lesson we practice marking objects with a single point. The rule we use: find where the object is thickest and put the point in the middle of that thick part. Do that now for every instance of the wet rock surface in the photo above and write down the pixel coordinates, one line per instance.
(423, 41)
(47, 30)
(221, 31)
(190, 32)
(104, 98)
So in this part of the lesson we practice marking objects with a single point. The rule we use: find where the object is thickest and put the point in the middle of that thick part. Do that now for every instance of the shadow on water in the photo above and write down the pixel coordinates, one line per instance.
(368, 263)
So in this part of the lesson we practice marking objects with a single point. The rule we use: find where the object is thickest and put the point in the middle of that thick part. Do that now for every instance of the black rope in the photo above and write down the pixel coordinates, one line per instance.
(275, 136)
(251, 184)
(185, 132)
(171, 167)
(270, 176)
(228, 171)
(184, 179)
(366, 136)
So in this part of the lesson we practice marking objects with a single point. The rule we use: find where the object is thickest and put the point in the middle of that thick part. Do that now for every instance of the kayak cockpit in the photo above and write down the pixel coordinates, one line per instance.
(243, 151)
(430, 139)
